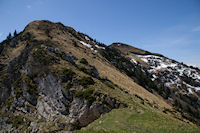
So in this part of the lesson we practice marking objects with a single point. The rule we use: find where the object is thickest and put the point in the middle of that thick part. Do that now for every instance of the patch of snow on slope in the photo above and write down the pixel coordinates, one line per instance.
(86, 38)
(189, 72)
(154, 77)
(133, 61)
(144, 59)
(157, 62)
(97, 46)
(85, 44)
(171, 73)
(195, 88)
(89, 46)
(190, 91)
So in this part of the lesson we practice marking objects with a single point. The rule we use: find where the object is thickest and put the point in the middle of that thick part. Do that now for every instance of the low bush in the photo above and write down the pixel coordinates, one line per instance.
(18, 87)
(74, 43)
(41, 56)
(83, 61)
(68, 72)
(85, 81)
(67, 75)
(31, 86)
(111, 85)
(83, 69)
(16, 122)
(86, 94)
(47, 32)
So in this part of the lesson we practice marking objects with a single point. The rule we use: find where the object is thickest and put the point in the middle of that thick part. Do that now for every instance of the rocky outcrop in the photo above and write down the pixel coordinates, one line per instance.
(36, 92)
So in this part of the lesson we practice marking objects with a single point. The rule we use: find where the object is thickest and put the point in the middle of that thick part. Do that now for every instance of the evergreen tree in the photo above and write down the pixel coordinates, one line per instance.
(15, 33)
(9, 36)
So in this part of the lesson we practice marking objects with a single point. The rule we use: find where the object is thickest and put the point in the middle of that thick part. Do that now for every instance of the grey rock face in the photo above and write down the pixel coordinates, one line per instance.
(39, 95)
(83, 113)
(52, 89)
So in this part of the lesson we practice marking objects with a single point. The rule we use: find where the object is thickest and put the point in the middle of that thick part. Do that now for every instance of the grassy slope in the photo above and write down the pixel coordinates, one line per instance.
(137, 117)
(63, 40)
(129, 121)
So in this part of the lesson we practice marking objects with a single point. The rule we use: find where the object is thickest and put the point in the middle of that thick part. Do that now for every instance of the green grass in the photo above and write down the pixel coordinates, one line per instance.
(129, 121)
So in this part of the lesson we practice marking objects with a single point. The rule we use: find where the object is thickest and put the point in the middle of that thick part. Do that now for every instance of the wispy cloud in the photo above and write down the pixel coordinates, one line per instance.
(28, 6)
(196, 29)
(165, 42)
(1, 34)
(178, 36)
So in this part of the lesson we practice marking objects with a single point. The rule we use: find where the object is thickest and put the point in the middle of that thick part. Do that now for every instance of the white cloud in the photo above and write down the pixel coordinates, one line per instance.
(1, 34)
(197, 29)
(28, 6)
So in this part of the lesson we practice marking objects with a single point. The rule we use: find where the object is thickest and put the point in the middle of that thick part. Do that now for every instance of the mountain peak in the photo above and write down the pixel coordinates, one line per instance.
(53, 78)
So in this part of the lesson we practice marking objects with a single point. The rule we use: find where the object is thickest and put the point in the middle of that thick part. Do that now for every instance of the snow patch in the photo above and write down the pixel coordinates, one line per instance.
(85, 44)
(133, 61)
(89, 46)
(154, 77)
(157, 62)
(144, 59)
(197, 88)
(171, 72)
(86, 38)
(97, 46)
(190, 91)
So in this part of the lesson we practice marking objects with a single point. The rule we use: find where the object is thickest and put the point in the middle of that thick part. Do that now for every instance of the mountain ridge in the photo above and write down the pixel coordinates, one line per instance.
(89, 78)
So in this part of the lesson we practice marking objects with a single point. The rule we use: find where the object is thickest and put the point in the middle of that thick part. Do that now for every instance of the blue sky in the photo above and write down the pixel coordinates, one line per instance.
(169, 27)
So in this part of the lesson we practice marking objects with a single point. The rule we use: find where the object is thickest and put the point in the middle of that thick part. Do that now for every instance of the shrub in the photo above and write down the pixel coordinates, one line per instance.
(27, 36)
(111, 85)
(47, 32)
(15, 122)
(68, 72)
(85, 81)
(30, 84)
(83, 61)
(9, 36)
(67, 75)
(18, 87)
(15, 33)
(32, 88)
(74, 43)
(41, 55)
(83, 69)
(86, 94)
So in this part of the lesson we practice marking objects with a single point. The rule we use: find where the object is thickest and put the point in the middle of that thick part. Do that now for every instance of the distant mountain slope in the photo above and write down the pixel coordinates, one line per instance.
(55, 79)
(178, 83)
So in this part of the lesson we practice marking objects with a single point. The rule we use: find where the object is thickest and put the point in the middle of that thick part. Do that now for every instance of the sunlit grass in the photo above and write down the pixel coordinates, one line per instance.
(129, 121)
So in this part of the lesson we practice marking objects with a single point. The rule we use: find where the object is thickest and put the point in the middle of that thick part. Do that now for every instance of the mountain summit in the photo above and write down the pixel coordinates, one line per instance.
(55, 79)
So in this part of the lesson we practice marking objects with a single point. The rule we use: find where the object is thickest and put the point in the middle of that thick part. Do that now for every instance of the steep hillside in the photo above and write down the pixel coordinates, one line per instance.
(55, 79)
(178, 83)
